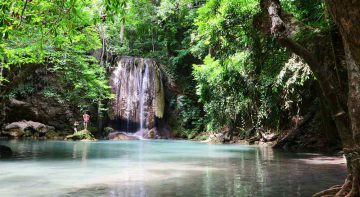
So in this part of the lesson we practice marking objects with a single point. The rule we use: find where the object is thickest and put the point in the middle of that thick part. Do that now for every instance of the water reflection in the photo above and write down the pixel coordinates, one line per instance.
(159, 168)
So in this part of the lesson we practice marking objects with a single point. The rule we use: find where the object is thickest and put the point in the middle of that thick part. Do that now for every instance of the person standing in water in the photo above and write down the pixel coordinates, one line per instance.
(86, 118)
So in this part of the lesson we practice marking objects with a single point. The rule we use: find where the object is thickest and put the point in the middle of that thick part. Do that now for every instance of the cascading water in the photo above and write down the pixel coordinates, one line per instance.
(128, 106)
(139, 101)
(144, 88)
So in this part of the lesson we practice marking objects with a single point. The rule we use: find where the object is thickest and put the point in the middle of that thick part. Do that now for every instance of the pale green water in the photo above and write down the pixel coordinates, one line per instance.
(159, 168)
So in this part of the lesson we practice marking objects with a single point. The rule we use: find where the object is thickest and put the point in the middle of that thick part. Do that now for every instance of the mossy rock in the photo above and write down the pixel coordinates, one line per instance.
(52, 135)
(202, 137)
(108, 130)
(83, 135)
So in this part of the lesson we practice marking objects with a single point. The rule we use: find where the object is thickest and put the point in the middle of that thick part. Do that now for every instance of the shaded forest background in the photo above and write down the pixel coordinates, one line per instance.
(285, 67)
(222, 72)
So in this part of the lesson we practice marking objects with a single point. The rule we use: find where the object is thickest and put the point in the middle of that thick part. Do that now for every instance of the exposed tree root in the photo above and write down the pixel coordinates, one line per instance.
(328, 192)
(345, 187)
(344, 190)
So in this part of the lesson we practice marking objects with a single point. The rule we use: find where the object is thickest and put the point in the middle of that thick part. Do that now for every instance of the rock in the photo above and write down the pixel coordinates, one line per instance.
(217, 138)
(108, 130)
(36, 106)
(83, 135)
(14, 132)
(254, 140)
(17, 103)
(26, 128)
(227, 136)
(5, 152)
(52, 135)
(39, 109)
(121, 136)
(150, 134)
(267, 137)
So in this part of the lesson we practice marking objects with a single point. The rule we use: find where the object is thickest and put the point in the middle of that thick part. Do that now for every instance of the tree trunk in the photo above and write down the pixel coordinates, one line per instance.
(346, 14)
(327, 122)
(274, 21)
(354, 111)
(122, 30)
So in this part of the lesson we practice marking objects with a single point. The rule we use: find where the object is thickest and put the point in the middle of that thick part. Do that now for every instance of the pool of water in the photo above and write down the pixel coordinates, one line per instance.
(160, 168)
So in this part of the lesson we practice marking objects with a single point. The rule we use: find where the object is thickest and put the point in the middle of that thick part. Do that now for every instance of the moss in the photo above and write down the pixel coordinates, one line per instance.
(202, 137)
(52, 135)
(108, 130)
(81, 135)
(159, 97)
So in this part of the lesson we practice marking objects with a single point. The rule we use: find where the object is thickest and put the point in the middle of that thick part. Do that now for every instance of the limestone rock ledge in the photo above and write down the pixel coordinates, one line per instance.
(26, 129)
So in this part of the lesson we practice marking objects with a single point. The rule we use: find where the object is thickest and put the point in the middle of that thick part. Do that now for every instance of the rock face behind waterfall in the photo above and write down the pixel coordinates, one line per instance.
(139, 95)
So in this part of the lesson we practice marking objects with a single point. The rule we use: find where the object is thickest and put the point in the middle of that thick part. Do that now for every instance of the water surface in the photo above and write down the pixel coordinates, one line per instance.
(159, 168)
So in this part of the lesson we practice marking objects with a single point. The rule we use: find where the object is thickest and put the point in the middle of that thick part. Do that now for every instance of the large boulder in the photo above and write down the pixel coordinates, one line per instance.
(121, 136)
(26, 128)
(5, 151)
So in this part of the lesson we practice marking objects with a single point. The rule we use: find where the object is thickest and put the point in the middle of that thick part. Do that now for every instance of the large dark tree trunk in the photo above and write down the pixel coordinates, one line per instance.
(354, 111)
(346, 14)
(275, 22)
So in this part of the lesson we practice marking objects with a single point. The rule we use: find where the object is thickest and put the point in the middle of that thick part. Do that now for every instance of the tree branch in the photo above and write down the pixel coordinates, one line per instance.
(299, 50)
(272, 20)
(22, 11)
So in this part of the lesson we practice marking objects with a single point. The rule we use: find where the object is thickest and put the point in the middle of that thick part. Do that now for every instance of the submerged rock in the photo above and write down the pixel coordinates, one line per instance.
(27, 129)
(5, 151)
(121, 136)
(83, 135)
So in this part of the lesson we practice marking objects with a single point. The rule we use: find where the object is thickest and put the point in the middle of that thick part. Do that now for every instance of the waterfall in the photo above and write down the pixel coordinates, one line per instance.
(139, 95)
(128, 104)
(144, 88)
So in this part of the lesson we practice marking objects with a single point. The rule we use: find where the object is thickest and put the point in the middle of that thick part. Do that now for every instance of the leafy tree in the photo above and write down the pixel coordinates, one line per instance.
(59, 35)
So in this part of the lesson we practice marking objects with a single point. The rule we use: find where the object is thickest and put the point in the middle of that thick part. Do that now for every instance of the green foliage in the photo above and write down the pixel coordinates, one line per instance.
(22, 91)
(294, 75)
(158, 30)
(49, 92)
(81, 135)
(311, 13)
(224, 26)
(242, 72)
(227, 73)
(58, 35)
(190, 121)
(223, 90)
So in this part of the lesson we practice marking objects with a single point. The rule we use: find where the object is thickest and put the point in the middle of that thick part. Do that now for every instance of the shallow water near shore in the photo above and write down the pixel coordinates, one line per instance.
(162, 168)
